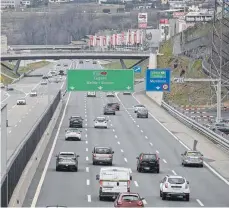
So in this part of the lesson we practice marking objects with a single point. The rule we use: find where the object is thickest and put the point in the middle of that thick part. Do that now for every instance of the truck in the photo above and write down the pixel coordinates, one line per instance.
(112, 181)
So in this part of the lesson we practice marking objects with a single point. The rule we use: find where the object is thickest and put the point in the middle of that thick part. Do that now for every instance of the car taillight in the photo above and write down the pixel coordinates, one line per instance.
(166, 185)
(119, 203)
(110, 156)
(140, 203)
(201, 158)
(101, 183)
(94, 155)
(186, 186)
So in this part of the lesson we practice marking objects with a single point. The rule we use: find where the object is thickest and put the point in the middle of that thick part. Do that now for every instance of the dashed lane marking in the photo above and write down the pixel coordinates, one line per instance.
(164, 161)
(136, 183)
(85, 129)
(86, 142)
(116, 136)
(151, 144)
(14, 106)
(85, 115)
(125, 160)
(113, 130)
(87, 158)
(122, 150)
(85, 124)
(142, 131)
(88, 182)
(138, 126)
(89, 198)
(174, 172)
(19, 121)
(111, 125)
(118, 142)
(86, 149)
(87, 169)
(15, 125)
(200, 203)
(130, 171)
(146, 137)
(9, 132)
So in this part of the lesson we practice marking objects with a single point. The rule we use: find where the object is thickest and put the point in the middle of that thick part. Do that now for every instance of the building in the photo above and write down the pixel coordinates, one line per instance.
(4, 46)
(26, 3)
(59, 1)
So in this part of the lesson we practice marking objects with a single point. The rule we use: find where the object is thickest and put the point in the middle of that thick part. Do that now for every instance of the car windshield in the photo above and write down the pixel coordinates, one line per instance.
(193, 154)
(139, 106)
(103, 151)
(149, 157)
(101, 119)
(130, 198)
(176, 180)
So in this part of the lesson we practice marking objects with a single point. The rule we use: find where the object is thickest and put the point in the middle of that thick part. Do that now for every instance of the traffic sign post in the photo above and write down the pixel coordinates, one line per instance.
(137, 69)
(158, 80)
(100, 80)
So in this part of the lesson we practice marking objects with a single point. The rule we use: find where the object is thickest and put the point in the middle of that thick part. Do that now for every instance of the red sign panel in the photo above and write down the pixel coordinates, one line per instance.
(142, 25)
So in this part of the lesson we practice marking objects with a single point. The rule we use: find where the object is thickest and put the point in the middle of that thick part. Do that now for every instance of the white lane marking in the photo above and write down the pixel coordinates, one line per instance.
(9, 132)
(122, 150)
(86, 142)
(134, 121)
(27, 113)
(146, 137)
(174, 172)
(85, 119)
(85, 135)
(111, 125)
(86, 149)
(85, 129)
(87, 158)
(35, 198)
(89, 198)
(138, 126)
(130, 170)
(157, 151)
(85, 124)
(141, 131)
(88, 182)
(164, 161)
(125, 159)
(136, 183)
(144, 201)
(29, 109)
(19, 121)
(118, 142)
(200, 203)
(151, 144)
(85, 115)
(87, 169)
(15, 125)
(14, 106)
(62, 86)
(116, 136)
(113, 130)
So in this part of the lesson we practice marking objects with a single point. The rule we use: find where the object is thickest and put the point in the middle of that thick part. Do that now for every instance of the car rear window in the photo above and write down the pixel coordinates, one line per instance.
(130, 198)
(176, 180)
(193, 154)
(149, 157)
(101, 119)
(67, 155)
(103, 151)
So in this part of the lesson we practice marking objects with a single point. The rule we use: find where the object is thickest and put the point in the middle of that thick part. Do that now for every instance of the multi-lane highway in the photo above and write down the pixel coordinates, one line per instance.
(128, 136)
(21, 118)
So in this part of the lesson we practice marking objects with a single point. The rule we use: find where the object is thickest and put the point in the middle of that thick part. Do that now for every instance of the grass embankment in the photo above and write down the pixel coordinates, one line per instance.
(128, 63)
(194, 93)
(23, 69)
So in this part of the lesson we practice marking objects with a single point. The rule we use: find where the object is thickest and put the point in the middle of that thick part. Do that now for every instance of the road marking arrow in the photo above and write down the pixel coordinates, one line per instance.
(100, 87)
(72, 88)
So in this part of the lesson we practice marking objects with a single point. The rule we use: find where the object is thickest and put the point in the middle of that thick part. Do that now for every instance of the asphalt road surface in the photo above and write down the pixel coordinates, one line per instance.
(128, 136)
(21, 118)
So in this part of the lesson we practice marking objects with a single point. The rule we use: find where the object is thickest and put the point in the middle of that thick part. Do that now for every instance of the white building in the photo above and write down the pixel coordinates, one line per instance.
(5, 4)
(26, 3)
(4, 44)
(59, 1)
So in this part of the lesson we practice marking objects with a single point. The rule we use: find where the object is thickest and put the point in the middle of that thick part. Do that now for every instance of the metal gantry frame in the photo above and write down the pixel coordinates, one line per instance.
(219, 59)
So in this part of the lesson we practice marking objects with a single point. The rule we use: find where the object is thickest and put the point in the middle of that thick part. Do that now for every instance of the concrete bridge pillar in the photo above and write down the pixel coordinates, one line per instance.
(123, 64)
(155, 96)
(16, 67)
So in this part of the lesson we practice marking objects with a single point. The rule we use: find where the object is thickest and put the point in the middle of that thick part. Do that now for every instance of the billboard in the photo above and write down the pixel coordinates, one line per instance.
(152, 37)
(198, 18)
(142, 20)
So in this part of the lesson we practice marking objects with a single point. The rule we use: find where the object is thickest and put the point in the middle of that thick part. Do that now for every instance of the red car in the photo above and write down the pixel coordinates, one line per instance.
(129, 200)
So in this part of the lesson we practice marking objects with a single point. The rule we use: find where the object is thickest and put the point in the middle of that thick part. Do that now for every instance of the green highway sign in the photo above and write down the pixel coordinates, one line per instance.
(100, 80)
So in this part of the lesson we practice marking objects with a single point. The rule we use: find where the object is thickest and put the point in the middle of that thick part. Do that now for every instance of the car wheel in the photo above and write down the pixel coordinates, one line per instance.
(160, 193)
(110, 164)
(202, 165)
(163, 196)
(187, 197)
(137, 116)
(100, 198)
(113, 113)
(158, 170)
(146, 116)
(57, 169)
(94, 163)
(76, 169)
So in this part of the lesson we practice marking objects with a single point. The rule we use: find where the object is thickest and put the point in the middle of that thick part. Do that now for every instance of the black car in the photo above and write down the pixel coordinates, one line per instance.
(67, 161)
(76, 122)
(148, 162)
(115, 106)
(109, 109)
(61, 72)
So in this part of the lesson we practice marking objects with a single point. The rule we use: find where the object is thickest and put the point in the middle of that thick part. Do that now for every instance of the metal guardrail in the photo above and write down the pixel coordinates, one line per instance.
(198, 127)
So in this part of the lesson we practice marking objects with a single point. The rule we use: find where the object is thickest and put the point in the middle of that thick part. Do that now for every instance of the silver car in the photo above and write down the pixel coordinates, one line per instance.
(192, 158)
(102, 155)
(142, 113)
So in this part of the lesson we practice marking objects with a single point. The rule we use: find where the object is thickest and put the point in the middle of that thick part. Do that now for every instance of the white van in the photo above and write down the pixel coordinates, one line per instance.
(112, 181)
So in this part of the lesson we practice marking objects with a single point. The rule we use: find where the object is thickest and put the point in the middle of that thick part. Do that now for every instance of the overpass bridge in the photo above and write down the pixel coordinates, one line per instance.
(76, 55)
(46, 47)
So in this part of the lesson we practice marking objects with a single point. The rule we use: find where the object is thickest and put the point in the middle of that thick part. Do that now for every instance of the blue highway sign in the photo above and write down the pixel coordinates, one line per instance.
(137, 69)
(158, 80)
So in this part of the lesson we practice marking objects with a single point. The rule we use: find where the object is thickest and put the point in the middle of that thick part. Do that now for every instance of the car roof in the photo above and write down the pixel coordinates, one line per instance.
(73, 129)
(75, 117)
(97, 147)
(193, 151)
(66, 153)
(175, 176)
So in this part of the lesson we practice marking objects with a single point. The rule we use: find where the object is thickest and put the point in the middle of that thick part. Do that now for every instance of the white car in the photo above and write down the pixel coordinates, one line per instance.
(33, 93)
(43, 82)
(110, 94)
(91, 94)
(137, 107)
(100, 122)
(21, 101)
(127, 93)
(73, 134)
(174, 186)
(53, 73)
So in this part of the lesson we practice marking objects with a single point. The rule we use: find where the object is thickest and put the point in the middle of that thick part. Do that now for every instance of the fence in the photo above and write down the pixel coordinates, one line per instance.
(24, 152)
